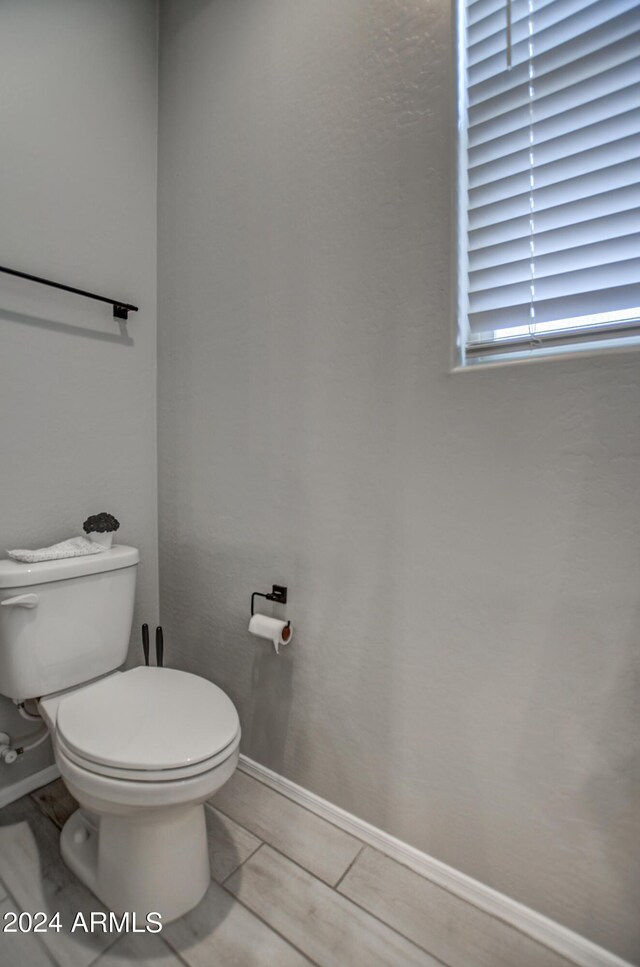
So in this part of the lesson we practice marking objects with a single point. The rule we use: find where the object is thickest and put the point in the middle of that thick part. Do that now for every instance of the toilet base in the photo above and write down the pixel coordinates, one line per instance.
(151, 861)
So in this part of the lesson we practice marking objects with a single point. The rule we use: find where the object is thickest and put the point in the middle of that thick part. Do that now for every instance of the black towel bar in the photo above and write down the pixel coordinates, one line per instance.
(121, 309)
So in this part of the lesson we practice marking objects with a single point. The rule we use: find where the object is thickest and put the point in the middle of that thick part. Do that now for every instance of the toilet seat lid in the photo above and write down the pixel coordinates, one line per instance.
(148, 718)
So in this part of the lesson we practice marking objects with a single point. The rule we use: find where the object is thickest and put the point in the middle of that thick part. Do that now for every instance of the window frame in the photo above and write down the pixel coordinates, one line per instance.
(602, 339)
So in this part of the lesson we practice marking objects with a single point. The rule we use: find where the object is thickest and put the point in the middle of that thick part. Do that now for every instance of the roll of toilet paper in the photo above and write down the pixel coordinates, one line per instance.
(279, 632)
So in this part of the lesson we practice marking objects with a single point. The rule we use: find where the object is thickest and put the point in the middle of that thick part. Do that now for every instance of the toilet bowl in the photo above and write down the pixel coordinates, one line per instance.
(141, 751)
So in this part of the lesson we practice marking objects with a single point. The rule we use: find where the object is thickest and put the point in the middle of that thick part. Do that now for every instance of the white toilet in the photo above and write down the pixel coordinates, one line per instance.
(140, 750)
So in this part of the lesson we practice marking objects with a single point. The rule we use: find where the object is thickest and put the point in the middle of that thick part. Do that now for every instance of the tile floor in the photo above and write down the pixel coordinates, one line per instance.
(287, 889)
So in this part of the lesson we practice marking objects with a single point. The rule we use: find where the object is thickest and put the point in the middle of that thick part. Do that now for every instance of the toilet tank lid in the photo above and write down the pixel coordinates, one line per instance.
(15, 574)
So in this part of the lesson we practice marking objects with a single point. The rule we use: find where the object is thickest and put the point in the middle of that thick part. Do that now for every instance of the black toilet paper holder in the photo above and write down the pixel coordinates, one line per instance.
(278, 594)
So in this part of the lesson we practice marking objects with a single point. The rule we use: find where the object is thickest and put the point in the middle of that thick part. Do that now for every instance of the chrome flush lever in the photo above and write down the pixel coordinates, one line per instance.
(20, 601)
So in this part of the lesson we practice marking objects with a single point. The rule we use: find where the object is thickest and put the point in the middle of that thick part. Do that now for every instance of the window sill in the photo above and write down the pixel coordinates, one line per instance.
(517, 357)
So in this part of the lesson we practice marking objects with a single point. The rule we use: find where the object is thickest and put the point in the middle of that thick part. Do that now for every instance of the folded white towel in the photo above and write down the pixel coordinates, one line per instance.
(74, 547)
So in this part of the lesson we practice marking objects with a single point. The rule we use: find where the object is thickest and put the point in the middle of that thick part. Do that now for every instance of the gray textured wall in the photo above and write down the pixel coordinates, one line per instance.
(462, 551)
(78, 123)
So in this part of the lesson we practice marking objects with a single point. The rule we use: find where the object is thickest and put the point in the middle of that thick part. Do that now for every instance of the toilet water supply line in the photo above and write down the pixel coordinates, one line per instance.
(25, 713)
(10, 750)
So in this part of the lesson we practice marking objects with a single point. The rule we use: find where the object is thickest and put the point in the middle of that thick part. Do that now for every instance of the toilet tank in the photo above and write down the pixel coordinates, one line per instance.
(71, 621)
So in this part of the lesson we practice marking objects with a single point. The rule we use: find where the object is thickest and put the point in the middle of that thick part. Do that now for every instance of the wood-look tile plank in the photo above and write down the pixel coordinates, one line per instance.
(229, 844)
(322, 923)
(55, 801)
(319, 847)
(21, 948)
(451, 929)
(37, 879)
(146, 950)
(221, 932)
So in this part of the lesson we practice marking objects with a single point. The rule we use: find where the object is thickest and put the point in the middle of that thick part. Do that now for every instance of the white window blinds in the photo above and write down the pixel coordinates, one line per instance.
(549, 205)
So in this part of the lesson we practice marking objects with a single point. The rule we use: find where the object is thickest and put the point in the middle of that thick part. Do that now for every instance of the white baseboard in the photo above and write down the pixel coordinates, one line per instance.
(16, 790)
(575, 948)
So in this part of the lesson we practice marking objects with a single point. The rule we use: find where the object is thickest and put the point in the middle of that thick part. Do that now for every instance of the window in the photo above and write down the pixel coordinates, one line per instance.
(548, 176)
